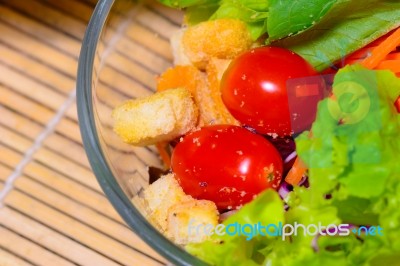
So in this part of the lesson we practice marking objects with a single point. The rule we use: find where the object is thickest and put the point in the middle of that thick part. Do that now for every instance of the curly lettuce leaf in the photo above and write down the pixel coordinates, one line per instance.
(335, 169)
(356, 163)
(236, 250)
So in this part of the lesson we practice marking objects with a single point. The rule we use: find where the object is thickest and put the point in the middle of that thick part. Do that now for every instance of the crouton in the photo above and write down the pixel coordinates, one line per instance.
(204, 87)
(180, 58)
(208, 97)
(208, 111)
(221, 38)
(215, 70)
(181, 217)
(195, 81)
(187, 221)
(162, 116)
(160, 196)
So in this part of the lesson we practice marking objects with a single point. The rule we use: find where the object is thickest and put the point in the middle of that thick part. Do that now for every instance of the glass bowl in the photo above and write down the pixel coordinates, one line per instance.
(125, 47)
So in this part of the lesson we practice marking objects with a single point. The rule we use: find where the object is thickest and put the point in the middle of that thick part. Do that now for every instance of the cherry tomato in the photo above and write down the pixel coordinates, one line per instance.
(226, 164)
(255, 90)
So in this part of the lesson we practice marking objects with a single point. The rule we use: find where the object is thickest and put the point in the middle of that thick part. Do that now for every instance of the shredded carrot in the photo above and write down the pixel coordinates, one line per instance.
(393, 65)
(364, 52)
(379, 40)
(382, 50)
(393, 56)
(386, 56)
(179, 76)
(296, 173)
(162, 150)
(361, 53)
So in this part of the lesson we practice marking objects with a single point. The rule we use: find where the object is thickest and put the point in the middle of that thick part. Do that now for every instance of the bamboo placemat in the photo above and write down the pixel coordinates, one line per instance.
(52, 211)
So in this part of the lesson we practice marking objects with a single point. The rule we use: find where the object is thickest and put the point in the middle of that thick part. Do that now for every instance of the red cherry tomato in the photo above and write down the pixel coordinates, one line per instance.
(226, 164)
(254, 89)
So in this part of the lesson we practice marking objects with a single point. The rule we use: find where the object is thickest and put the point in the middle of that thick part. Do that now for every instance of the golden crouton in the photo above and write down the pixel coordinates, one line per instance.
(208, 96)
(180, 58)
(160, 196)
(215, 69)
(162, 116)
(208, 112)
(188, 221)
(221, 38)
(204, 87)
(178, 215)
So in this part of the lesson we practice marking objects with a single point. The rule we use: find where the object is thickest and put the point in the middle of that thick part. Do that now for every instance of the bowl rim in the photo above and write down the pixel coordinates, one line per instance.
(98, 162)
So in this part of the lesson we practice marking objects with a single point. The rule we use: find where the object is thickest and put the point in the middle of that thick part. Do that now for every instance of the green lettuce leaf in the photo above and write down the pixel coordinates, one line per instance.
(236, 250)
(321, 31)
(288, 17)
(197, 14)
(346, 27)
(254, 13)
(356, 163)
(363, 190)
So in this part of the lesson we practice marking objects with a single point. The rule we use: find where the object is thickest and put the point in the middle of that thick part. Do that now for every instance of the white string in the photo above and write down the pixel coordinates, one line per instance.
(50, 127)
(37, 144)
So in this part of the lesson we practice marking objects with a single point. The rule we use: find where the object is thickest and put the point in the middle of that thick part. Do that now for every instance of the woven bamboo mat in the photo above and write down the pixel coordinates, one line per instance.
(52, 210)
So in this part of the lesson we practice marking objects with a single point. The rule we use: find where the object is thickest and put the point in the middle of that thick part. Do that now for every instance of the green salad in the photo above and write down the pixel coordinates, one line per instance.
(356, 165)
(321, 31)
(231, 100)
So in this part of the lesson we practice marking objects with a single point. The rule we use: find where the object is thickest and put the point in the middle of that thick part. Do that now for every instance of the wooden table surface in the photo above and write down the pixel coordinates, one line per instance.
(48, 215)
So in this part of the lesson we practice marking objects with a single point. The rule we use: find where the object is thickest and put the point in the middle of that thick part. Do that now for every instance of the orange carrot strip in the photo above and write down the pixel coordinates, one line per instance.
(393, 65)
(179, 76)
(165, 157)
(393, 56)
(382, 50)
(379, 40)
(296, 173)
(361, 53)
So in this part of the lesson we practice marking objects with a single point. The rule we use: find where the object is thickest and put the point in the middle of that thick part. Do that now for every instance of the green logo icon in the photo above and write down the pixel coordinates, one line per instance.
(352, 103)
